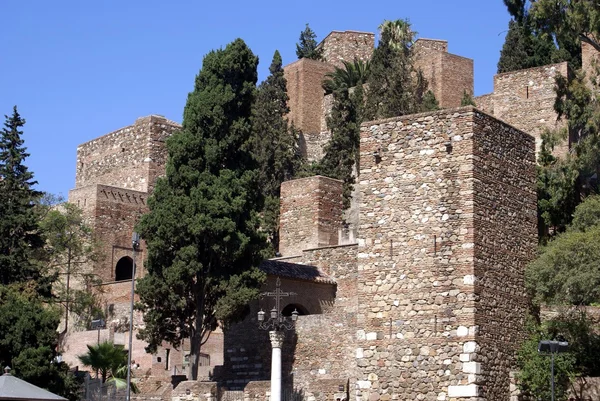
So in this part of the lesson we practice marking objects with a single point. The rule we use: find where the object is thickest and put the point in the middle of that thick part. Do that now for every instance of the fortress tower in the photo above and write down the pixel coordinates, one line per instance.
(427, 303)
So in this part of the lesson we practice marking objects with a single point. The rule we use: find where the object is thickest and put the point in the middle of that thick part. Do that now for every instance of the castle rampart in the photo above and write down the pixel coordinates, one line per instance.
(525, 99)
(310, 214)
(449, 76)
(131, 157)
(340, 46)
(431, 204)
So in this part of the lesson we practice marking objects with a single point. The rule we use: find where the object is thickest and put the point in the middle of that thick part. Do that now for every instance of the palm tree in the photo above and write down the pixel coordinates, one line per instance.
(352, 74)
(106, 358)
(398, 34)
(119, 377)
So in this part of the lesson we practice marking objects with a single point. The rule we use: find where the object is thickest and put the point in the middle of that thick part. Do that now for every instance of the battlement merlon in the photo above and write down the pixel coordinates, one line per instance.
(340, 46)
(131, 157)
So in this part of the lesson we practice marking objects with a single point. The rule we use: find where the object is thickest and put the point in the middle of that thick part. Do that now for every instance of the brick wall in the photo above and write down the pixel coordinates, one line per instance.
(126, 158)
(310, 214)
(427, 329)
(589, 57)
(457, 77)
(304, 86)
(341, 46)
(448, 75)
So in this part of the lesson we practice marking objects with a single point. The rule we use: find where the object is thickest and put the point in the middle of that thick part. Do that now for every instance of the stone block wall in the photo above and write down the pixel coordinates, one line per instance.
(341, 46)
(426, 328)
(332, 335)
(130, 158)
(310, 214)
(525, 99)
(448, 75)
(247, 349)
(505, 239)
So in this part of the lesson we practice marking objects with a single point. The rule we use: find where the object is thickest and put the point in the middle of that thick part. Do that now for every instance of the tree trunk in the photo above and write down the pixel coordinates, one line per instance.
(196, 340)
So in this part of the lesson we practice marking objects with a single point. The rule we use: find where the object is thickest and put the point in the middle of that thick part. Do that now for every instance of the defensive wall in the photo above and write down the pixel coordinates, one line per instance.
(440, 262)
(525, 99)
(430, 304)
(449, 77)
(445, 211)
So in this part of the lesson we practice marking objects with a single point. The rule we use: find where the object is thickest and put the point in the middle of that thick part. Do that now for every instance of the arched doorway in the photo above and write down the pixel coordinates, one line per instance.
(124, 269)
(287, 311)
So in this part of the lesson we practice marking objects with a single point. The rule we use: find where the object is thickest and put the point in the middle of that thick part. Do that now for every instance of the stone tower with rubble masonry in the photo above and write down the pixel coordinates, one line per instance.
(427, 301)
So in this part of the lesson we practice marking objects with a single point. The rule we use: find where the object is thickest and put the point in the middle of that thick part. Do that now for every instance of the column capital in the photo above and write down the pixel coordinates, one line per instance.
(276, 338)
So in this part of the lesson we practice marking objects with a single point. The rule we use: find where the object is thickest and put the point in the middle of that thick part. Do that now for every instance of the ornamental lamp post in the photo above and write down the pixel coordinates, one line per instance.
(552, 347)
(276, 324)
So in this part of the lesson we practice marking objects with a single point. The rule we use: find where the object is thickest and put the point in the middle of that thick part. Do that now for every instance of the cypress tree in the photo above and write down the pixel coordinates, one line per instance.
(274, 143)
(202, 232)
(20, 239)
(342, 150)
(524, 49)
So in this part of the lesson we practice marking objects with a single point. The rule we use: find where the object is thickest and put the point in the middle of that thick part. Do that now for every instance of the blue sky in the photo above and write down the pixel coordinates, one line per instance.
(80, 69)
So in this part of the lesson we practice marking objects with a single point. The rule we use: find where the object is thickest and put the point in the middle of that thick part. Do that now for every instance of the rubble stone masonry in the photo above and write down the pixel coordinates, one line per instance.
(131, 157)
(525, 99)
(340, 46)
(439, 208)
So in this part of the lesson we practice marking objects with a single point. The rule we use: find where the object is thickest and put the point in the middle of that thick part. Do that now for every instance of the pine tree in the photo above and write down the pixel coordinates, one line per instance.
(19, 235)
(307, 46)
(274, 144)
(203, 229)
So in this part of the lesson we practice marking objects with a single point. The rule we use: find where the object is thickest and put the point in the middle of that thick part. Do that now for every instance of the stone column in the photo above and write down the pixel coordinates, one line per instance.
(276, 343)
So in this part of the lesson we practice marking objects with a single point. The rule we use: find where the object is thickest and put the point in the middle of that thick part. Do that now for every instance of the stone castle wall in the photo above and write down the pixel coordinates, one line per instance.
(505, 239)
(423, 331)
(448, 75)
(525, 99)
(310, 214)
(128, 158)
(343, 46)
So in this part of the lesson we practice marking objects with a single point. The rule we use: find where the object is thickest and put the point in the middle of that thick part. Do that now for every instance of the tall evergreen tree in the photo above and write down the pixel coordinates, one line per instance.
(203, 230)
(524, 49)
(307, 46)
(536, 36)
(394, 86)
(19, 235)
(342, 150)
(275, 144)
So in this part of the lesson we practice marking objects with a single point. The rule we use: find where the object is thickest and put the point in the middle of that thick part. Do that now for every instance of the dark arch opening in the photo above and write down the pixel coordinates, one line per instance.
(287, 311)
(124, 269)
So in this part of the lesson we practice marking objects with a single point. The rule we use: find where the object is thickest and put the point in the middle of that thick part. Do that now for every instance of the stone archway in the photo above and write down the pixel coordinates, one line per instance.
(123, 270)
(289, 308)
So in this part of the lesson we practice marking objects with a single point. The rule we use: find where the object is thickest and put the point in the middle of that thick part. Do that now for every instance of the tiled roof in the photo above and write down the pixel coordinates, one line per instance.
(295, 271)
